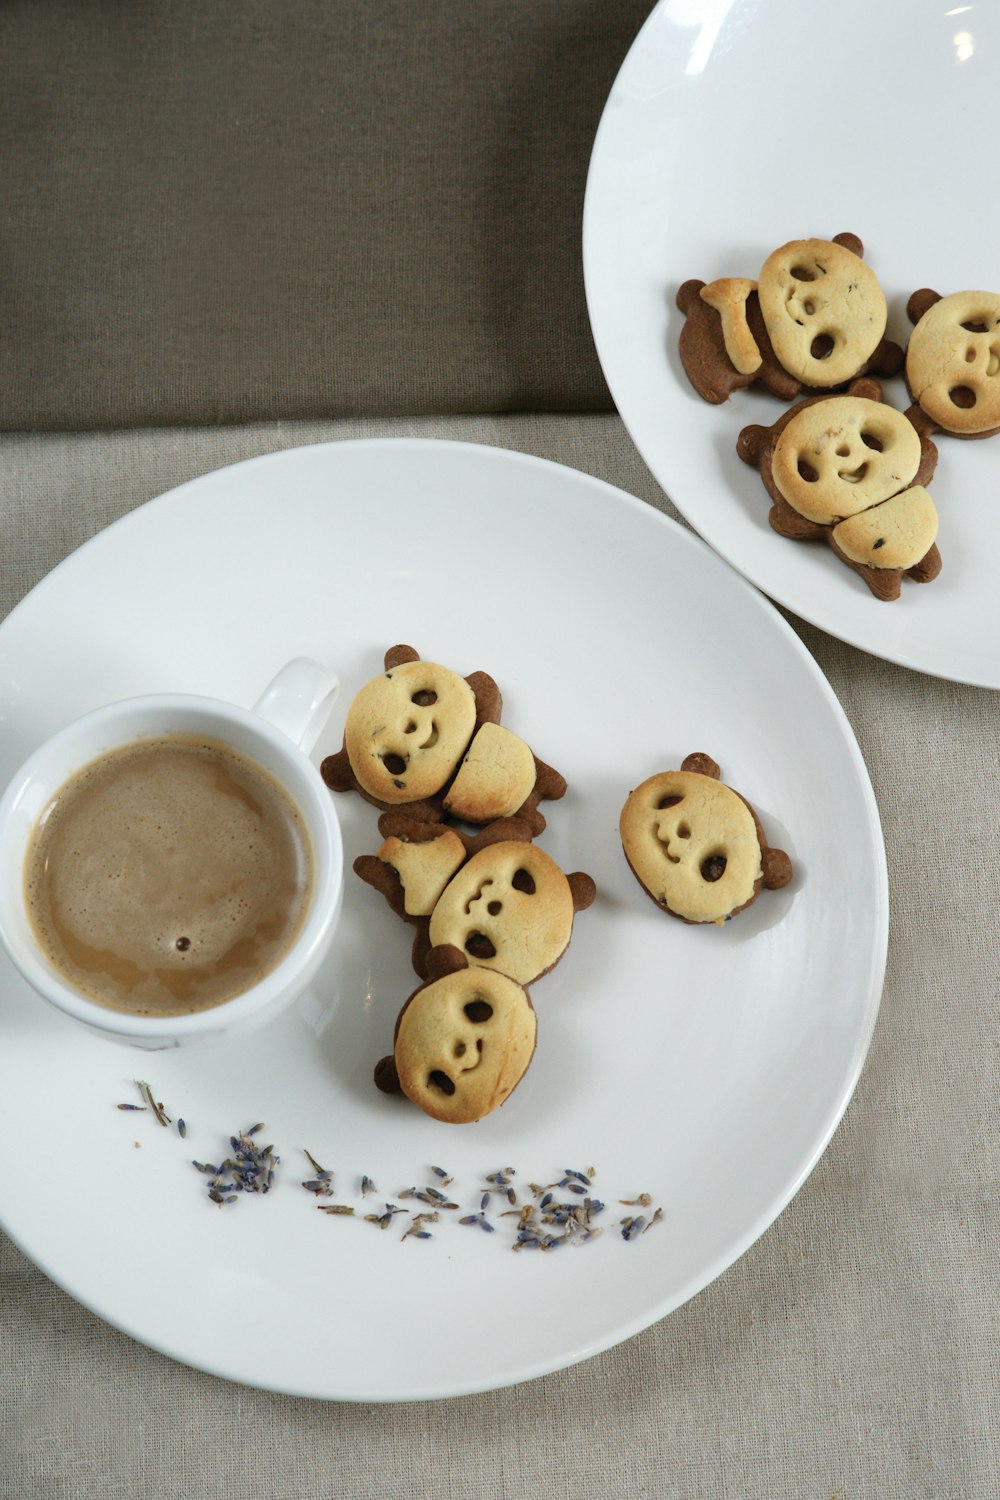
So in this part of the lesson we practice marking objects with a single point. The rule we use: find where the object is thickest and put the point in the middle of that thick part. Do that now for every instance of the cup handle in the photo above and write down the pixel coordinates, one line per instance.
(298, 700)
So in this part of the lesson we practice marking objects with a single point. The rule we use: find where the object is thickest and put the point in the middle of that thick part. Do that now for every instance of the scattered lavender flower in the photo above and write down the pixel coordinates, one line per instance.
(248, 1170)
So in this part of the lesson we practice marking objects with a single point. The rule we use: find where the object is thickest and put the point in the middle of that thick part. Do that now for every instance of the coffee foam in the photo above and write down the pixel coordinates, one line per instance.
(168, 876)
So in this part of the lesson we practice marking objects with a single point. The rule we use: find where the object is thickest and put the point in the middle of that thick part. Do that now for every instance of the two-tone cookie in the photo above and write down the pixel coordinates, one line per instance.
(509, 908)
(421, 737)
(462, 1042)
(696, 846)
(851, 470)
(953, 362)
(813, 319)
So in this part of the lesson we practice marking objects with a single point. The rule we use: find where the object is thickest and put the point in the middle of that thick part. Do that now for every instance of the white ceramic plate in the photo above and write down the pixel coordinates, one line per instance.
(706, 1067)
(734, 126)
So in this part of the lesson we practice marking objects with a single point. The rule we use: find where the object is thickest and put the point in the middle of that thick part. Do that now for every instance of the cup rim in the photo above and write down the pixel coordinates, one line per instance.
(322, 825)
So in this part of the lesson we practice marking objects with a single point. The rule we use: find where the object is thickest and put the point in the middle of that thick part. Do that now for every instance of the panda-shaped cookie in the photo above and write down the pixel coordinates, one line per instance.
(814, 319)
(423, 738)
(953, 363)
(696, 846)
(852, 471)
(462, 1042)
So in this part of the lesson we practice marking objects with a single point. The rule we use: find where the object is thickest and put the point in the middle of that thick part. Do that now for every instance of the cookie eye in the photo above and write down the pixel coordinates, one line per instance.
(478, 945)
(522, 881)
(440, 1080)
(424, 697)
(871, 441)
(394, 764)
(962, 396)
(803, 273)
(713, 868)
(478, 1011)
(671, 800)
(807, 472)
(975, 325)
(821, 346)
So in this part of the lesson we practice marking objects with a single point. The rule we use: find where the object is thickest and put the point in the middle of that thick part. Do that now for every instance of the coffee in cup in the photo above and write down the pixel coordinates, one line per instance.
(168, 875)
(171, 866)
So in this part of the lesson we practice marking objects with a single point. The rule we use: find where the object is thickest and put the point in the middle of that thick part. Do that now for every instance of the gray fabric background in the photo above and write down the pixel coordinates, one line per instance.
(217, 212)
(852, 1352)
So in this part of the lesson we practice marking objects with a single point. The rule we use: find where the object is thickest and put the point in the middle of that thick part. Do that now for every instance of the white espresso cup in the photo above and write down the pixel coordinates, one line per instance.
(277, 734)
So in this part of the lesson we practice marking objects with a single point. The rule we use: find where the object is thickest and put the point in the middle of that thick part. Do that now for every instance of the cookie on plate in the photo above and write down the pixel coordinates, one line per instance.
(463, 1041)
(953, 362)
(423, 738)
(851, 470)
(814, 319)
(696, 846)
(510, 908)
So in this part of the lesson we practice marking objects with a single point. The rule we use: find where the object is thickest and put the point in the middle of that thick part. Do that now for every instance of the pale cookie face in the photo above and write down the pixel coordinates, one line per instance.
(824, 311)
(896, 534)
(463, 1043)
(407, 730)
(953, 362)
(510, 908)
(693, 844)
(423, 869)
(494, 779)
(839, 456)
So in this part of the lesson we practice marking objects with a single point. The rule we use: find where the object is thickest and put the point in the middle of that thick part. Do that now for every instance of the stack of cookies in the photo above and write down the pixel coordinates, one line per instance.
(842, 465)
(492, 912)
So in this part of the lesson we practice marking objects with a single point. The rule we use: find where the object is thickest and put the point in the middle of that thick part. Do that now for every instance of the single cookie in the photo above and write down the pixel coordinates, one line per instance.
(510, 908)
(696, 846)
(830, 460)
(407, 730)
(824, 310)
(814, 319)
(953, 361)
(463, 1041)
(839, 455)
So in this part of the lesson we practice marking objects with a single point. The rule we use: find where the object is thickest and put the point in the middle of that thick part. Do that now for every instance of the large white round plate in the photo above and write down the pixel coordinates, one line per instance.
(734, 126)
(707, 1067)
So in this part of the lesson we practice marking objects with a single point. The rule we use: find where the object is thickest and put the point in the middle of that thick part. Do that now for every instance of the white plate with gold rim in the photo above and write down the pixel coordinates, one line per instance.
(735, 126)
(706, 1067)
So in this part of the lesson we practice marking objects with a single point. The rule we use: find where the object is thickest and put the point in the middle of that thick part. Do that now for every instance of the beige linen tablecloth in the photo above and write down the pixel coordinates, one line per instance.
(851, 1353)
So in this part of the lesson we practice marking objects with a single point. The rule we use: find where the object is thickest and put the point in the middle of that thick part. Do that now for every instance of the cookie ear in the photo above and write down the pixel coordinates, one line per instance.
(887, 358)
(689, 295)
(583, 890)
(751, 443)
(925, 425)
(336, 772)
(850, 242)
(397, 655)
(866, 388)
(702, 765)
(777, 868)
(444, 959)
(385, 1075)
(489, 700)
(920, 302)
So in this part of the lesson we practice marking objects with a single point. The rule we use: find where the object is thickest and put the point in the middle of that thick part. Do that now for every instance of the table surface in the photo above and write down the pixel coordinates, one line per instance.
(851, 1352)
